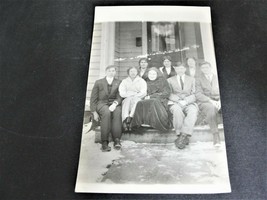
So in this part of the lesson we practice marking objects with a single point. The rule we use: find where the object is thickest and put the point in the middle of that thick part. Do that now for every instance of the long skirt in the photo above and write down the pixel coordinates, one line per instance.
(151, 112)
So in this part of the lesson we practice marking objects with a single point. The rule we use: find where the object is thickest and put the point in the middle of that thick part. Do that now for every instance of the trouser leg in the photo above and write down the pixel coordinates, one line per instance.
(178, 117)
(105, 124)
(210, 111)
(190, 119)
(116, 125)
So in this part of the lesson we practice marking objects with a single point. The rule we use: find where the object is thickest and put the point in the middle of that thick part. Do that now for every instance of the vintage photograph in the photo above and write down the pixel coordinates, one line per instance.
(153, 118)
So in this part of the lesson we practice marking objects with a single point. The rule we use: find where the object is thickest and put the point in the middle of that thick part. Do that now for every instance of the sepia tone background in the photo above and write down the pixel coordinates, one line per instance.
(44, 66)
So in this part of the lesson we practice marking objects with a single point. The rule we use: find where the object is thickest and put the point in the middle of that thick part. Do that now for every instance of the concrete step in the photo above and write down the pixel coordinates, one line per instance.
(149, 135)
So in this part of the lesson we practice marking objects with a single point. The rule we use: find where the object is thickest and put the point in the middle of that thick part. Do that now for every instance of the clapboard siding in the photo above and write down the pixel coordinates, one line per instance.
(126, 45)
(94, 62)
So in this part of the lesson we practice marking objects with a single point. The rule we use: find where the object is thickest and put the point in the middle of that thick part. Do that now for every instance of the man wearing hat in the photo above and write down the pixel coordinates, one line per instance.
(105, 104)
(208, 98)
(182, 105)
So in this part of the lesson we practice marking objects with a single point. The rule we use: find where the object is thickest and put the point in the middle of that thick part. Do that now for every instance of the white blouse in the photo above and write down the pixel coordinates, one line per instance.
(136, 87)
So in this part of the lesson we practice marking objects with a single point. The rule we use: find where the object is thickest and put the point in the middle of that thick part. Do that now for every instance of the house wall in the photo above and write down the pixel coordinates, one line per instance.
(125, 45)
(94, 62)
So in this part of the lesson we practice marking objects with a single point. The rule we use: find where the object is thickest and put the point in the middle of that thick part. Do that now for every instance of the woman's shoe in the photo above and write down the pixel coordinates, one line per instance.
(129, 120)
(124, 126)
(129, 123)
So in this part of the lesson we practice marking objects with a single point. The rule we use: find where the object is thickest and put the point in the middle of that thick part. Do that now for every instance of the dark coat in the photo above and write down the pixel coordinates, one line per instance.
(159, 89)
(100, 95)
(144, 75)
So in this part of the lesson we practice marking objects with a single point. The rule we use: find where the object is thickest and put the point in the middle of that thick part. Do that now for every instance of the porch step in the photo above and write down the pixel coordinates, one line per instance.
(148, 135)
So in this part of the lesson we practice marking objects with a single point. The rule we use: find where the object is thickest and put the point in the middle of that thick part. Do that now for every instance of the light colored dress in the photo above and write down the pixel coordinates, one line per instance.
(133, 91)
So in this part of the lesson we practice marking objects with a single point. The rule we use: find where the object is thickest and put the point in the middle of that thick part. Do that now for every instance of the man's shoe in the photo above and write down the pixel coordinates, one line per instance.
(216, 139)
(105, 147)
(117, 144)
(181, 141)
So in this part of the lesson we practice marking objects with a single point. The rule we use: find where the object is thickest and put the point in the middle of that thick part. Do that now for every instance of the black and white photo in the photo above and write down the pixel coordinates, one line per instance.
(153, 118)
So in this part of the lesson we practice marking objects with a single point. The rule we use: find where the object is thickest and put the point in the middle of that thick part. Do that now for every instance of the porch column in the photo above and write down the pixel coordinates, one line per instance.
(144, 38)
(208, 45)
(107, 46)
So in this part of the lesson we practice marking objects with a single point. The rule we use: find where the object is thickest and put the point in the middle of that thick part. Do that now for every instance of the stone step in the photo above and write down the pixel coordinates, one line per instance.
(149, 135)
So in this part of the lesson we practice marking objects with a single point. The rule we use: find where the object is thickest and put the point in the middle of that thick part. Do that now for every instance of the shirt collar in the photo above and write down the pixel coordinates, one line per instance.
(109, 79)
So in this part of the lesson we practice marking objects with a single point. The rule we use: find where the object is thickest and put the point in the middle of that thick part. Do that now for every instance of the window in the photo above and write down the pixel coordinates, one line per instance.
(176, 39)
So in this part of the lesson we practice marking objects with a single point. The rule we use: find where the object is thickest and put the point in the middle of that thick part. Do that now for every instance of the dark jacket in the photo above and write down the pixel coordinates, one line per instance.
(100, 95)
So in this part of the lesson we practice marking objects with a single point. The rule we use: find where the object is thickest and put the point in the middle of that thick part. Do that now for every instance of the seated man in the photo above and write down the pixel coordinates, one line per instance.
(208, 98)
(182, 105)
(106, 103)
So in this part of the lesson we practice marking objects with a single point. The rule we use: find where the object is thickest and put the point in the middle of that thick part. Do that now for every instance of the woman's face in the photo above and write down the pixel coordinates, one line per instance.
(152, 75)
(167, 63)
(191, 62)
(133, 73)
(143, 64)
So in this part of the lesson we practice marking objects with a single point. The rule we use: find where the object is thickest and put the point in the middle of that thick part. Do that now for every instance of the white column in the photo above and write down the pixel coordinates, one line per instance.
(208, 45)
(144, 38)
(107, 46)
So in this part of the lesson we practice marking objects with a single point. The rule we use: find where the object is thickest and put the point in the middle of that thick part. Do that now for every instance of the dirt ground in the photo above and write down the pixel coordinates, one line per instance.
(150, 163)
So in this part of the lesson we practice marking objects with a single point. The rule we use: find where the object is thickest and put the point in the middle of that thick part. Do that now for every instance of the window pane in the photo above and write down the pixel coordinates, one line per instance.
(162, 36)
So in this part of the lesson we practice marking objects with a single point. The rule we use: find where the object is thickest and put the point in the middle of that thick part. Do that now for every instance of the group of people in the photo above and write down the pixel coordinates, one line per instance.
(164, 98)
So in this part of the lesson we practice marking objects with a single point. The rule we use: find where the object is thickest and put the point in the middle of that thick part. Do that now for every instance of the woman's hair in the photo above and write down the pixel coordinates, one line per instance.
(145, 59)
(166, 58)
(186, 60)
(128, 70)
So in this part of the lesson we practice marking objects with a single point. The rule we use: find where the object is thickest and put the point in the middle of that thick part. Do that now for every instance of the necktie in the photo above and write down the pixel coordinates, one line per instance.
(181, 82)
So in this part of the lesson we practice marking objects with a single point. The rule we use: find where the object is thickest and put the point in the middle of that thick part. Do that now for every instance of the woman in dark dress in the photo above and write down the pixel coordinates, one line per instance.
(143, 64)
(167, 70)
(153, 110)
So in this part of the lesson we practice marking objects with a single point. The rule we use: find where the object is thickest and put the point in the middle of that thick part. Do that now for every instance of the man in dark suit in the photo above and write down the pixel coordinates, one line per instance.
(208, 98)
(182, 105)
(105, 104)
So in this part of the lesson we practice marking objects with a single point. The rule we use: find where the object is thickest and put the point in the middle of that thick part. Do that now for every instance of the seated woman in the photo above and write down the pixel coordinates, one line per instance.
(133, 89)
(143, 68)
(153, 110)
(167, 70)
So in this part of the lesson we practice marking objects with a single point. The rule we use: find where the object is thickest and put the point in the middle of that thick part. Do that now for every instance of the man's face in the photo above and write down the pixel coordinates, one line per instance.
(133, 73)
(206, 69)
(111, 72)
(167, 63)
(180, 70)
(143, 64)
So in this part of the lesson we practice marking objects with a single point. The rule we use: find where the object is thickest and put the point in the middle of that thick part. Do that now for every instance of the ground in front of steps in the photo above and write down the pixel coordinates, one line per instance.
(151, 163)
